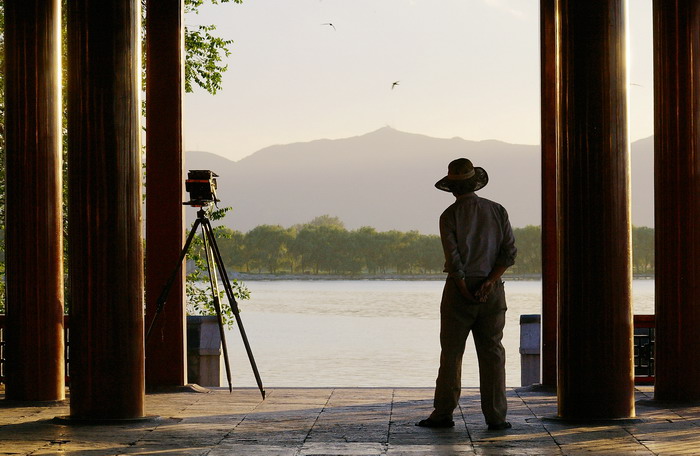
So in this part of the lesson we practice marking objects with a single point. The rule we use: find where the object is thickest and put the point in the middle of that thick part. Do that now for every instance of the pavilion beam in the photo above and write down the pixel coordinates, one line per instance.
(166, 355)
(677, 198)
(595, 351)
(550, 230)
(105, 248)
(33, 242)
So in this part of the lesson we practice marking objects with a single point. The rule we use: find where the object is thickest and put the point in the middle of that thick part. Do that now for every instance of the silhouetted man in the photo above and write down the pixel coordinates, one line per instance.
(478, 243)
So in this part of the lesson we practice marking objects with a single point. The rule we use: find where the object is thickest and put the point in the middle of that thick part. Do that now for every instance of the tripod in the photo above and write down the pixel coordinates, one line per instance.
(213, 257)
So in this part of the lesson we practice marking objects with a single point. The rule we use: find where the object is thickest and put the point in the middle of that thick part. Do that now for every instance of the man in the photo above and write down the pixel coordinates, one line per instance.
(478, 243)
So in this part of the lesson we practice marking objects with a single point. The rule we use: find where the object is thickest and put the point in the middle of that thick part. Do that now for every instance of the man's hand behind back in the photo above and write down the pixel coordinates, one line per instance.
(482, 294)
(464, 291)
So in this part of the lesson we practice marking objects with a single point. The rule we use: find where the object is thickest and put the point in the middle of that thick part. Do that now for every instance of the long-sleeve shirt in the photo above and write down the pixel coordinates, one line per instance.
(476, 236)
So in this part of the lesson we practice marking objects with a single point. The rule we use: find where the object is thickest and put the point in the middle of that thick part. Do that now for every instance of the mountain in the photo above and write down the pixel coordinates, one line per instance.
(642, 171)
(382, 179)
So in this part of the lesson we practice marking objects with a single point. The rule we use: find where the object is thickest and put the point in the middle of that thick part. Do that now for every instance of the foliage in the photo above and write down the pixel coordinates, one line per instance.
(329, 248)
(642, 250)
(203, 55)
(192, 6)
(528, 240)
(323, 220)
(267, 246)
(204, 52)
(200, 295)
(325, 246)
(202, 64)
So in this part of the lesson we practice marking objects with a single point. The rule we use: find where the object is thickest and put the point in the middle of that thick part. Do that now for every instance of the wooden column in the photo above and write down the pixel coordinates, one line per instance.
(166, 355)
(677, 198)
(105, 242)
(33, 242)
(550, 229)
(595, 313)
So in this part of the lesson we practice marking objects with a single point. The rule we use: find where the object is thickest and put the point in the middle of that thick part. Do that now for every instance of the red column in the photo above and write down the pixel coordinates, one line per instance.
(677, 198)
(104, 225)
(550, 230)
(33, 242)
(595, 313)
(166, 356)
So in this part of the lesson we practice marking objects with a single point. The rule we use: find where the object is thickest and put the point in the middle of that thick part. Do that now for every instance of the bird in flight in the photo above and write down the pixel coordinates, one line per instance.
(394, 84)
(329, 24)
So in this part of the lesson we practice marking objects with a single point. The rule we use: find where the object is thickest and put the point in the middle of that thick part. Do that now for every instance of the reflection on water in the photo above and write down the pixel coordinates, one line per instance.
(362, 333)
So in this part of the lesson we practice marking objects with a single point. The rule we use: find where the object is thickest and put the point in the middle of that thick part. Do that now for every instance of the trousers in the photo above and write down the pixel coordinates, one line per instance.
(459, 317)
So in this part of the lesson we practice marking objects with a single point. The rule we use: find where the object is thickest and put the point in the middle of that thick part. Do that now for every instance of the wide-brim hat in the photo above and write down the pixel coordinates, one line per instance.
(463, 177)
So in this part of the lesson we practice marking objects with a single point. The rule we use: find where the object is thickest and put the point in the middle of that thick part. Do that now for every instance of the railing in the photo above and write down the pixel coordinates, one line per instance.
(644, 340)
(66, 328)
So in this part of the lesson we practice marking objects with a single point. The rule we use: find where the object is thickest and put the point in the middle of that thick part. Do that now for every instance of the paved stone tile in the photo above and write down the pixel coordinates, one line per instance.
(669, 437)
(253, 450)
(341, 449)
(433, 450)
(353, 422)
(163, 449)
(18, 446)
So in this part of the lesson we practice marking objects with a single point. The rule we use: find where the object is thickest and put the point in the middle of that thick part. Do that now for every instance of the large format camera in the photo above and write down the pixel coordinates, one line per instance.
(201, 185)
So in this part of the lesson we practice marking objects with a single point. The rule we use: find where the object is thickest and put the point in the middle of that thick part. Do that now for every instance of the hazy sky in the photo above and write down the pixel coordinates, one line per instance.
(467, 68)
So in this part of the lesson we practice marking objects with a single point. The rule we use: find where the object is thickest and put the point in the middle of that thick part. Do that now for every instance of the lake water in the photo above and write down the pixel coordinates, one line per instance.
(366, 333)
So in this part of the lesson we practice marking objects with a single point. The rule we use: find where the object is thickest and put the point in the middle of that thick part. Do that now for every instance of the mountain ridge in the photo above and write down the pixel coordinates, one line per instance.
(385, 179)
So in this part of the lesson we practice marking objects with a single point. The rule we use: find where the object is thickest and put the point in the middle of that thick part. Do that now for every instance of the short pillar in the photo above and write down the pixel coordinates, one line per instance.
(529, 349)
(203, 350)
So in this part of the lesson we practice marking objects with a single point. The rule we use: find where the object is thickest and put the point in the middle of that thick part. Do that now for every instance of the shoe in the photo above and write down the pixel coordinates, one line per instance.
(500, 426)
(431, 423)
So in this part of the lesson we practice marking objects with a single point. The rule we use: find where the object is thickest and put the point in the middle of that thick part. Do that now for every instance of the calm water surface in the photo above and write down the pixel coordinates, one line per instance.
(366, 333)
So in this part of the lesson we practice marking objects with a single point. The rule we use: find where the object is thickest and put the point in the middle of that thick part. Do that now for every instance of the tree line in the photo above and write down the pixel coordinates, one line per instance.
(325, 246)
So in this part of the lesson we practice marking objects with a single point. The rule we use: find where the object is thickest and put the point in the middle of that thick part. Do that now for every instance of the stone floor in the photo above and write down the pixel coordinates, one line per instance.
(338, 421)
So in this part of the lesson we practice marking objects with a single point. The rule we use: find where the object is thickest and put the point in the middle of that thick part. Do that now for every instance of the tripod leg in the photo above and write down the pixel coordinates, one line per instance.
(214, 283)
(206, 225)
(169, 284)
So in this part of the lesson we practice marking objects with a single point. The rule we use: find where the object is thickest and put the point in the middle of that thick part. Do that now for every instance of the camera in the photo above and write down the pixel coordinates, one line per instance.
(201, 185)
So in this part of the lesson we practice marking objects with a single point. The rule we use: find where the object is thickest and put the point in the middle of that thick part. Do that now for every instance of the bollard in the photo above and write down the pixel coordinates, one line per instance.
(203, 351)
(529, 349)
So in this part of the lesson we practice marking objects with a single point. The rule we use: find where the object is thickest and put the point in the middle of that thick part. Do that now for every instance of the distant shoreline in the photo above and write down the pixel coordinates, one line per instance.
(249, 277)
